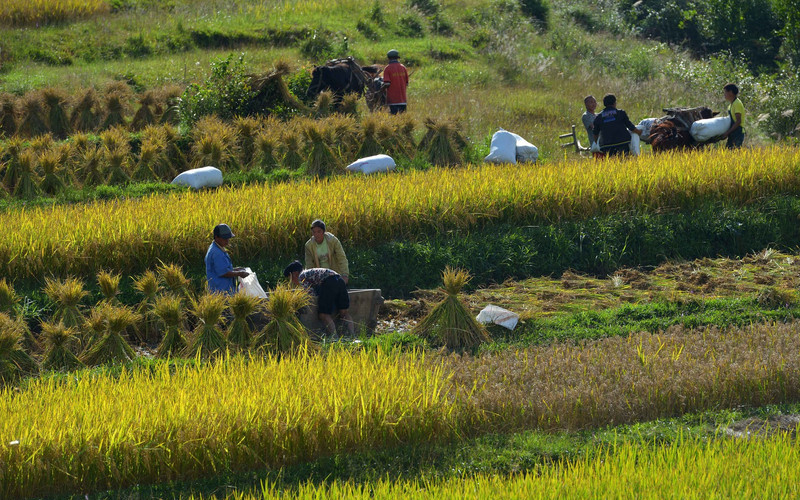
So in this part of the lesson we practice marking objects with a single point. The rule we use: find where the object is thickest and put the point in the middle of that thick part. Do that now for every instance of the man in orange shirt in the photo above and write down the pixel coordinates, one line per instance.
(395, 79)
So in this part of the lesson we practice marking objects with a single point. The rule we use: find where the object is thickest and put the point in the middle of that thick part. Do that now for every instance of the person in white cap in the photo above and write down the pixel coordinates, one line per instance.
(220, 272)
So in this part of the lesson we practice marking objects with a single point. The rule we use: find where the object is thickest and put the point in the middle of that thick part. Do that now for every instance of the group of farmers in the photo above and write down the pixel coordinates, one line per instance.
(325, 274)
(610, 130)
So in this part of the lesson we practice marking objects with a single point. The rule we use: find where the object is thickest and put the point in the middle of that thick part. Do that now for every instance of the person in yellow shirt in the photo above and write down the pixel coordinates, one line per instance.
(735, 134)
(324, 250)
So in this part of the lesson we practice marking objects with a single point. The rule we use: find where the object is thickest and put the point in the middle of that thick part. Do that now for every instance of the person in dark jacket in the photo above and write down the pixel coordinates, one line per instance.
(611, 128)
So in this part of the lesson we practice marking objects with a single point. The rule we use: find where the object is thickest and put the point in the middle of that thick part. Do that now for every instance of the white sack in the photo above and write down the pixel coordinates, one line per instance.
(703, 130)
(635, 147)
(525, 151)
(199, 178)
(372, 164)
(503, 148)
(646, 126)
(251, 286)
(498, 316)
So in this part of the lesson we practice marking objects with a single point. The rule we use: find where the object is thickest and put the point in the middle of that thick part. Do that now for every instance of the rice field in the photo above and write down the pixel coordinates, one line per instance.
(97, 431)
(273, 220)
(35, 12)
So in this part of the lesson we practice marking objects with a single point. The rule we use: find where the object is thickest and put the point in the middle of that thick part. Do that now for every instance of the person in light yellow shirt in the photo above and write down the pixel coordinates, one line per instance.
(324, 250)
(735, 134)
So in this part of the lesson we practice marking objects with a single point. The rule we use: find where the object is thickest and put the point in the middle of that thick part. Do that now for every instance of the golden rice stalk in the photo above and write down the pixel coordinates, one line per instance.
(14, 361)
(349, 105)
(147, 284)
(8, 297)
(291, 145)
(215, 144)
(174, 154)
(144, 115)
(27, 180)
(242, 305)
(207, 340)
(169, 309)
(116, 166)
(94, 327)
(33, 121)
(50, 164)
(324, 104)
(148, 158)
(368, 138)
(321, 160)
(81, 142)
(450, 322)
(57, 120)
(284, 333)
(38, 13)
(112, 347)
(443, 143)
(266, 146)
(92, 167)
(115, 138)
(84, 116)
(67, 295)
(109, 286)
(13, 147)
(8, 115)
(173, 278)
(246, 131)
(42, 143)
(60, 342)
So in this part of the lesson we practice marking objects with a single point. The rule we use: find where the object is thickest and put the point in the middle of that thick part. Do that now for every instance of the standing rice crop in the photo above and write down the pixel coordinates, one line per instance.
(147, 285)
(239, 334)
(450, 323)
(207, 340)
(14, 361)
(39, 12)
(169, 309)
(60, 343)
(8, 115)
(33, 121)
(57, 120)
(112, 347)
(84, 116)
(67, 296)
(284, 333)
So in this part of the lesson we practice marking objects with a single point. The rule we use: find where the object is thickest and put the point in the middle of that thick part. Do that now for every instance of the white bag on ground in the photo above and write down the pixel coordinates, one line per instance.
(646, 126)
(703, 130)
(503, 148)
(525, 151)
(251, 286)
(498, 316)
(372, 164)
(199, 178)
(635, 147)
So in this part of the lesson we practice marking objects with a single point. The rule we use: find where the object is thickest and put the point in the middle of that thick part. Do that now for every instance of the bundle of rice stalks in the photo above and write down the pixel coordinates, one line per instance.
(242, 305)
(109, 286)
(266, 145)
(56, 101)
(215, 144)
(50, 164)
(84, 116)
(169, 309)
(450, 323)
(116, 104)
(8, 297)
(291, 143)
(344, 133)
(41, 143)
(369, 139)
(27, 185)
(321, 160)
(67, 296)
(284, 333)
(60, 342)
(246, 130)
(173, 278)
(147, 285)
(154, 140)
(207, 340)
(349, 105)
(443, 143)
(324, 105)
(81, 143)
(172, 113)
(94, 327)
(13, 148)
(173, 152)
(147, 159)
(115, 138)
(92, 167)
(144, 115)
(112, 347)
(116, 164)
(8, 115)
(33, 122)
(165, 97)
(14, 361)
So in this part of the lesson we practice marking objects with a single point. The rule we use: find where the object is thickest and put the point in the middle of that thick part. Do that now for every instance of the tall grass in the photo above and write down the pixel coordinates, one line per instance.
(34, 12)
(136, 234)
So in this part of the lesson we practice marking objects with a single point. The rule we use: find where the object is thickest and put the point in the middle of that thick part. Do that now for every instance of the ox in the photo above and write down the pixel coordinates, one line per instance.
(340, 76)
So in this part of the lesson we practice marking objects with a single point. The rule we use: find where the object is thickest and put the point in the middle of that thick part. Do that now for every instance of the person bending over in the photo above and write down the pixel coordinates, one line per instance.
(331, 292)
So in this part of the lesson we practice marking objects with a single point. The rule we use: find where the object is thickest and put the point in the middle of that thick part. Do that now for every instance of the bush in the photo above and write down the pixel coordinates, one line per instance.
(366, 29)
(410, 25)
(538, 10)
(317, 47)
(427, 7)
(226, 93)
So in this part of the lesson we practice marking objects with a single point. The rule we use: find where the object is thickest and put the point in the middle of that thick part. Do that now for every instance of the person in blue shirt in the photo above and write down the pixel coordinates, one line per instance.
(612, 128)
(220, 273)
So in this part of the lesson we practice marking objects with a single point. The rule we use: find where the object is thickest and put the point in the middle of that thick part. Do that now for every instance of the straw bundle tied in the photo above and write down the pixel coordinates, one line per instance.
(14, 361)
(59, 341)
(242, 305)
(284, 333)
(169, 309)
(67, 295)
(112, 347)
(207, 340)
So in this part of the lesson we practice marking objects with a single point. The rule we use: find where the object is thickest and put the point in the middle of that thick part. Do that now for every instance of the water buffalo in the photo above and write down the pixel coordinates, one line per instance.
(340, 76)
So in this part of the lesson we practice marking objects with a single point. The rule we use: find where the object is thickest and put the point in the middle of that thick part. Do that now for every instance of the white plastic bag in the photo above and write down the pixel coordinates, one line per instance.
(498, 316)
(503, 148)
(251, 286)
(372, 164)
(703, 130)
(199, 178)
(525, 151)
(646, 126)
(635, 148)
(595, 147)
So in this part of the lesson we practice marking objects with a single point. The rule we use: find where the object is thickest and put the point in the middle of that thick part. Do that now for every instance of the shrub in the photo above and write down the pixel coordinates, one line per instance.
(427, 7)
(410, 25)
(537, 10)
(225, 93)
(317, 47)
(366, 29)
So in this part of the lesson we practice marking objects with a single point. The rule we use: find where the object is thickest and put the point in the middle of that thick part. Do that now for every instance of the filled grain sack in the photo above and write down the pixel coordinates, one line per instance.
(503, 148)
(635, 147)
(704, 130)
(645, 126)
(498, 316)
(199, 178)
(372, 164)
(525, 151)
